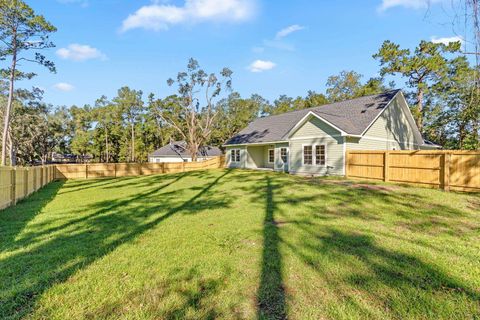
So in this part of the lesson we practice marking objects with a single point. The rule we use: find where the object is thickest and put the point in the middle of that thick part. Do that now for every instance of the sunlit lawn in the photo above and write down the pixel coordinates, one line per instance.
(239, 244)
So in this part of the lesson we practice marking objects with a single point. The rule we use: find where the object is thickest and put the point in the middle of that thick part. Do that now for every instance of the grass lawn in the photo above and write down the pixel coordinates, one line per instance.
(239, 244)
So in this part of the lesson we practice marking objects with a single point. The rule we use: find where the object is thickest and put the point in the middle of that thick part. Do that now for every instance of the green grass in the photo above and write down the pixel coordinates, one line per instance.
(239, 244)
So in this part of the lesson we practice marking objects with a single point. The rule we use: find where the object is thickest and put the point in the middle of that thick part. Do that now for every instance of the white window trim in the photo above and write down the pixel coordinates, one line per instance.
(314, 154)
(286, 154)
(233, 158)
(268, 155)
(303, 154)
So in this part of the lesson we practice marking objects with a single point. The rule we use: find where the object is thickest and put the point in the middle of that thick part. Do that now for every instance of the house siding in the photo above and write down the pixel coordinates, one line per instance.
(313, 132)
(243, 157)
(392, 130)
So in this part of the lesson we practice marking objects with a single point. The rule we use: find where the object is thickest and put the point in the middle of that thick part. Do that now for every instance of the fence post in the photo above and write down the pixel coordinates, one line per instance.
(183, 166)
(163, 167)
(41, 177)
(386, 164)
(12, 186)
(115, 170)
(25, 182)
(347, 157)
(86, 171)
(447, 156)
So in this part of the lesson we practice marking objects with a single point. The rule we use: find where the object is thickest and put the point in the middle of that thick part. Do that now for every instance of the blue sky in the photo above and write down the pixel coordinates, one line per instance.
(273, 47)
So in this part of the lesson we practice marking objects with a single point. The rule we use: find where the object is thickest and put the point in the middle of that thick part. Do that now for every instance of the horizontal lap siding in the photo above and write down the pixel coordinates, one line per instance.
(391, 130)
(255, 157)
(243, 157)
(314, 132)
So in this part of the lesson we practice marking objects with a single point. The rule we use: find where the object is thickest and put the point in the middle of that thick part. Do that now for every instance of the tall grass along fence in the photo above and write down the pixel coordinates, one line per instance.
(17, 183)
(114, 170)
(448, 170)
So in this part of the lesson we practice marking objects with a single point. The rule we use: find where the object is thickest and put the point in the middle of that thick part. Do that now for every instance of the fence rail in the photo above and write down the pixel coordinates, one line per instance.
(113, 170)
(449, 169)
(17, 183)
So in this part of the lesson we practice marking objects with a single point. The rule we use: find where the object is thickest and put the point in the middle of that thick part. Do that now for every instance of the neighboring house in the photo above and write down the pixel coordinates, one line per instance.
(315, 141)
(177, 151)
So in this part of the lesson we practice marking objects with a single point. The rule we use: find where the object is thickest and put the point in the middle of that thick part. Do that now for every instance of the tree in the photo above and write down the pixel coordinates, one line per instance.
(343, 86)
(235, 113)
(454, 108)
(21, 31)
(348, 85)
(131, 105)
(287, 104)
(425, 66)
(197, 114)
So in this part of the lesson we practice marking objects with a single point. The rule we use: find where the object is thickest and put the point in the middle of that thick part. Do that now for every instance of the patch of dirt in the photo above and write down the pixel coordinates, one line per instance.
(474, 204)
(373, 187)
(352, 184)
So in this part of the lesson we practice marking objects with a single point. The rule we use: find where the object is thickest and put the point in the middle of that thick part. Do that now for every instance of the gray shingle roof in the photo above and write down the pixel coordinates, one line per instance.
(351, 116)
(179, 149)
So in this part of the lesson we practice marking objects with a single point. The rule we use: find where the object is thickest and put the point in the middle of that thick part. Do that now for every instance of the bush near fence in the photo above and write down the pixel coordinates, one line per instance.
(17, 183)
(446, 169)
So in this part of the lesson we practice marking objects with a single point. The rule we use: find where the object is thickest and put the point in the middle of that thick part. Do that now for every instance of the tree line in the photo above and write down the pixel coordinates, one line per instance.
(441, 86)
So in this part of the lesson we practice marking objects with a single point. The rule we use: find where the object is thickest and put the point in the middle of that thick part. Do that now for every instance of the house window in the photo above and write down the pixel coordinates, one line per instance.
(320, 155)
(283, 155)
(235, 155)
(307, 155)
(271, 155)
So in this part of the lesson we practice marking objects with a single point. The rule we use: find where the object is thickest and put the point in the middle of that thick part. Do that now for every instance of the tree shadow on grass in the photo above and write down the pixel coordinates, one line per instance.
(271, 291)
(383, 274)
(193, 292)
(25, 275)
(15, 218)
(372, 275)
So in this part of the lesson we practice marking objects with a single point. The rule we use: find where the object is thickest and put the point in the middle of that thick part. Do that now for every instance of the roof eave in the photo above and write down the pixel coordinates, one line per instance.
(306, 117)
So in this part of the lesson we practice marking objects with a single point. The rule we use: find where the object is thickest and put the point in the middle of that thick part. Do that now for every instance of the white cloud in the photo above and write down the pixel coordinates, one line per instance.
(158, 17)
(447, 40)
(290, 29)
(410, 4)
(261, 65)
(82, 3)
(79, 52)
(63, 86)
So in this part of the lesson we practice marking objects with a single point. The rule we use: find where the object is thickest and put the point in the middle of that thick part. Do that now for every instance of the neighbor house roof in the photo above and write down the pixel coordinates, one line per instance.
(179, 149)
(352, 117)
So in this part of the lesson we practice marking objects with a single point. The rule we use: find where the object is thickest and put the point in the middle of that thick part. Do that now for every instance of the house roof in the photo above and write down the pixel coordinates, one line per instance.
(179, 149)
(352, 117)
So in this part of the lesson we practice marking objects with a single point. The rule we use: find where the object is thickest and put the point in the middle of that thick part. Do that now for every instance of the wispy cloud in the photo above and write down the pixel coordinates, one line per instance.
(80, 52)
(278, 42)
(261, 65)
(82, 3)
(63, 86)
(409, 4)
(159, 17)
(290, 29)
(447, 40)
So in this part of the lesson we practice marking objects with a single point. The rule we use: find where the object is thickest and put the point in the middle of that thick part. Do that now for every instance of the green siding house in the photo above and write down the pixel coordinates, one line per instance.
(314, 141)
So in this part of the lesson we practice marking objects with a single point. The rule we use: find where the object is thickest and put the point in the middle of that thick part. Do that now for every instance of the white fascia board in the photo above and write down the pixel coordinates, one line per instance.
(307, 116)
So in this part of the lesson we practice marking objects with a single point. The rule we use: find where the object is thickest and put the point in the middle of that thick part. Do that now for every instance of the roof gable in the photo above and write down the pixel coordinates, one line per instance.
(350, 117)
(179, 149)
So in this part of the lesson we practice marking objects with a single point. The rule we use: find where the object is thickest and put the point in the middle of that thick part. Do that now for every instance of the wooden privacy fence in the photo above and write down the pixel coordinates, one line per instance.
(449, 169)
(17, 183)
(113, 170)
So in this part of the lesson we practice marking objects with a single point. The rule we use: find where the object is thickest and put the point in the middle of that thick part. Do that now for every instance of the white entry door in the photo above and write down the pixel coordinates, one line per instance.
(284, 158)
